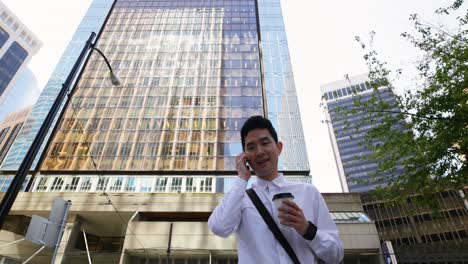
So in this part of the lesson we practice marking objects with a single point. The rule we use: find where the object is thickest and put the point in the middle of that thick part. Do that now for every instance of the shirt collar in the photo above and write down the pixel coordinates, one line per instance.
(277, 182)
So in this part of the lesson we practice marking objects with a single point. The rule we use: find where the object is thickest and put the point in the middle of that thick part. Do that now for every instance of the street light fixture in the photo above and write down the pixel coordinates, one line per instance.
(67, 89)
(114, 79)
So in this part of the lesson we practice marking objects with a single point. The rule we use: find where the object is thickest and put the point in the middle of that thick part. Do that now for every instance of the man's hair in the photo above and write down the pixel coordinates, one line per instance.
(257, 122)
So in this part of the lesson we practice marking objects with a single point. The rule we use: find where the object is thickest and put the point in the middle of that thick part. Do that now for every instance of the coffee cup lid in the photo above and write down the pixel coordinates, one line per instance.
(282, 195)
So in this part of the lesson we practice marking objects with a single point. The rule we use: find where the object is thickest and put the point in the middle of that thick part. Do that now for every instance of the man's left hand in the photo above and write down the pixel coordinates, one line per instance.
(290, 214)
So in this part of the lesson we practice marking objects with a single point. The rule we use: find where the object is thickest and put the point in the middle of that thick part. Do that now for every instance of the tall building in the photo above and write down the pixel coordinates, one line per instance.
(91, 22)
(145, 163)
(24, 93)
(344, 126)
(191, 74)
(17, 45)
(10, 128)
(417, 234)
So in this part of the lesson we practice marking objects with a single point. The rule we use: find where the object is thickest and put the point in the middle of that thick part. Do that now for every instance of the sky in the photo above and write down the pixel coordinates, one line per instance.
(321, 38)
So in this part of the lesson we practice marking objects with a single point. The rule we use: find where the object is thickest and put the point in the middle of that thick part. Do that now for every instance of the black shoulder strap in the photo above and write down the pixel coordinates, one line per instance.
(272, 224)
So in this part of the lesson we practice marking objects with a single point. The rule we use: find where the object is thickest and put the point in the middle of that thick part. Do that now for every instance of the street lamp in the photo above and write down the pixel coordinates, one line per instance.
(114, 79)
(67, 89)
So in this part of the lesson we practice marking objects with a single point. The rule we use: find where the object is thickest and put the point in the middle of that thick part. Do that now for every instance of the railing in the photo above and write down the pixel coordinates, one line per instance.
(146, 184)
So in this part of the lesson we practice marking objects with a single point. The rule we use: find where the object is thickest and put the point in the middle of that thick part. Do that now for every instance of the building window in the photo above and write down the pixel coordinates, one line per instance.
(4, 36)
(42, 185)
(176, 185)
(10, 140)
(116, 184)
(189, 187)
(160, 184)
(206, 185)
(57, 184)
(145, 184)
(72, 184)
(130, 186)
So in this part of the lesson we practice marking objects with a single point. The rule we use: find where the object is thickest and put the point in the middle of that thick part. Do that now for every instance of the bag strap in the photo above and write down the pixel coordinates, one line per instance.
(272, 224)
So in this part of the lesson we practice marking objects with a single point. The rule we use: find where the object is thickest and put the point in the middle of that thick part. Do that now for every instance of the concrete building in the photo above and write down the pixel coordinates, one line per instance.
(346, 131)
(419, 235)
(17, 45)
(159, 151)
(140, 230)
(10, 128)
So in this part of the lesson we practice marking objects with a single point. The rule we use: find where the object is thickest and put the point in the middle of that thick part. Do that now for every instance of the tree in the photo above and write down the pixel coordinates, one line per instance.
(425, 131)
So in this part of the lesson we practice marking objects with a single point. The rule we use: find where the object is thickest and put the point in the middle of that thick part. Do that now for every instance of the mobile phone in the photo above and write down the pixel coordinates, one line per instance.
(247, 164)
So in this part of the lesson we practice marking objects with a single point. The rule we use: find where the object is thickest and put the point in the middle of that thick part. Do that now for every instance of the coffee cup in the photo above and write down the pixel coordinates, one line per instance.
(280, 197)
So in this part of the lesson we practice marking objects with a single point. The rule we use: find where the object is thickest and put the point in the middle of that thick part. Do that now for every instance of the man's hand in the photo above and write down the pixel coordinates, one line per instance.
(241, 167)
(290, 214)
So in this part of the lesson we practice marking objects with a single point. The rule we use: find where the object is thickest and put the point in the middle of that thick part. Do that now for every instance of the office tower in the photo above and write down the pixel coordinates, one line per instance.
(24, 92)
(91, 22)
(17, 45)
(419, 235)
(191, 75)
(346, 134)
(10, 128)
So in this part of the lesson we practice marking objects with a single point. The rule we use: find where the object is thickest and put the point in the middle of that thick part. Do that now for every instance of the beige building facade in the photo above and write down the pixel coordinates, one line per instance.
(421, 234)
(9, 129)
(136, 228)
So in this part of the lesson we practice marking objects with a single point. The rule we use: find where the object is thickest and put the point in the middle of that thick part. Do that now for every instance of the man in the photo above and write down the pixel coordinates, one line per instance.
(306, 222)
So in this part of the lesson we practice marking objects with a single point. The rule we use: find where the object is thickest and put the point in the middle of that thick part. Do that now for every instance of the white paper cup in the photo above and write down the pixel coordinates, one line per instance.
(280, 197)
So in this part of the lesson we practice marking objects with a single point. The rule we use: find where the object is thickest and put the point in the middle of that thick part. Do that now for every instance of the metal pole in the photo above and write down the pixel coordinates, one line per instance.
(86, 243)
(16, 241)
(54, 128)
(37, 252)
(15, 186)
(62, 227)
(169, 244)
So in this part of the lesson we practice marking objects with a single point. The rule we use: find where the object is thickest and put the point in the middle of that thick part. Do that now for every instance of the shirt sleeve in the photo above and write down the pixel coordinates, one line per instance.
(327, 244)
(226, 216)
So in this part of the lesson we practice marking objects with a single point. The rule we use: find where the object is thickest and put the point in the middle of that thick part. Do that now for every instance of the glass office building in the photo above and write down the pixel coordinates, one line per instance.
(92, 21)
(10, 64)
(191, 73)
(346, 134)
(17, 45)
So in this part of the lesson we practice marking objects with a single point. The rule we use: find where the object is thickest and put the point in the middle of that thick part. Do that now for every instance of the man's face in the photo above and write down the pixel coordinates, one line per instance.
(263, 153)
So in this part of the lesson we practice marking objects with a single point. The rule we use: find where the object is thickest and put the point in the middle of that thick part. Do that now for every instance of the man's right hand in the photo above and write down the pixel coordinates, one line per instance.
(242, 170)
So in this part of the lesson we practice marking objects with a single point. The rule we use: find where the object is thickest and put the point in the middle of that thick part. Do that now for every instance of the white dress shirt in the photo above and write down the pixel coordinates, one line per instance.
(256, 243)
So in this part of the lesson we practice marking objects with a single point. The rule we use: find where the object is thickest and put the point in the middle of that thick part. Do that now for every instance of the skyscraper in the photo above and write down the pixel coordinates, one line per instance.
(10, 128)
(191, 73)
(92, 21)
(346, 131)
(17, 45)
(24, 93)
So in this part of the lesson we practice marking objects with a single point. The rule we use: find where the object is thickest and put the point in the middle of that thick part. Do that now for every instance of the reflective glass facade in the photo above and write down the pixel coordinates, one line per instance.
(91, 22)
(9, 141)
(4, 36)
(191, 75)
(282, 107)
(348, 137)
(10, 62)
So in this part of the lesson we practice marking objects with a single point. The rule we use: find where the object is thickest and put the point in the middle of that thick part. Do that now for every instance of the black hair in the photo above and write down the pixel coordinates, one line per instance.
(257, 122)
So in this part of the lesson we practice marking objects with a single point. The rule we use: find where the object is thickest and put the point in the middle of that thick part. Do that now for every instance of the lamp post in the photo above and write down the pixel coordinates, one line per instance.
(15, 186)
